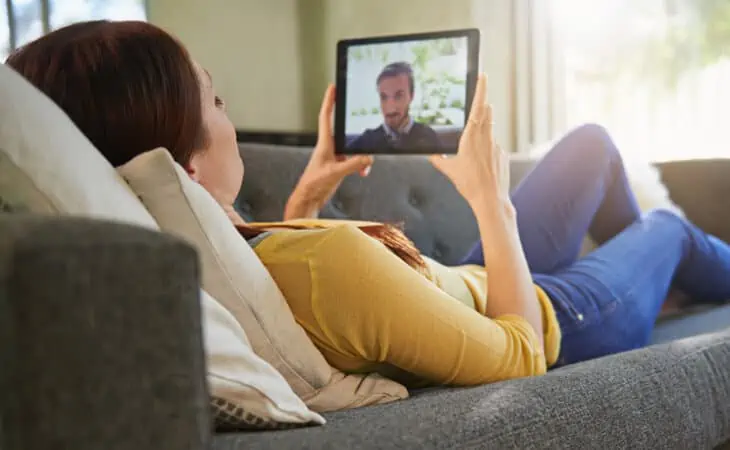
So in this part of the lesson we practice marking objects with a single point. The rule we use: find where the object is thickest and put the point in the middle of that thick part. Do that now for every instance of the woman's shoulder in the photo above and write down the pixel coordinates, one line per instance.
(305, 243)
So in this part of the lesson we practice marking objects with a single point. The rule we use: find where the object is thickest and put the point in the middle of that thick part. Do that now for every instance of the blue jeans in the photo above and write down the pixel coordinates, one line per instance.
(607, 301)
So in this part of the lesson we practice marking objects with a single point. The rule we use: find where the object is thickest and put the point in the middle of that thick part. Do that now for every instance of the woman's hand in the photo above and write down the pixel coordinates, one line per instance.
(480, 169)
(325, 171)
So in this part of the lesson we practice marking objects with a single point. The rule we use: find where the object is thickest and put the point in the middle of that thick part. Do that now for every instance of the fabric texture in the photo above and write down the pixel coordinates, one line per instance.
(246, 391)
(236, 277)
(48, 166)
(100, 337)
(672, 396)
(367, 310)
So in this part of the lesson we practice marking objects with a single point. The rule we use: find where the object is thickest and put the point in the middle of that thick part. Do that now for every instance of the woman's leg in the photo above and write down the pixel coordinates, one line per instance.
(608, 301)
(579, 186)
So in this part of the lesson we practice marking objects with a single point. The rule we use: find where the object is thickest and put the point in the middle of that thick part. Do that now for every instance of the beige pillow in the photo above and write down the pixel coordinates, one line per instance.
(246, 391)
(235, 276)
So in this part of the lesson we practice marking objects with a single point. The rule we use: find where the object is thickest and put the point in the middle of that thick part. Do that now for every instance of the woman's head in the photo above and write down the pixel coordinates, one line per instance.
(130, 87)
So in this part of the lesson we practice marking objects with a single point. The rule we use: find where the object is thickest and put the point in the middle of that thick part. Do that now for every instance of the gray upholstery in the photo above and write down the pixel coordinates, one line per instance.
(674, 396)
(408, 189)
(100, 340)
(404, 189)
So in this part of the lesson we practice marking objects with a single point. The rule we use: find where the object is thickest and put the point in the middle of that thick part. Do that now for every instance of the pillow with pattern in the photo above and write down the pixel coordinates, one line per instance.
(229, 416)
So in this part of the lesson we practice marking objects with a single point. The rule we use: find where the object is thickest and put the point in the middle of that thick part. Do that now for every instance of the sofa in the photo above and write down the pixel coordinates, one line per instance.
(82, 373)
(641, 399)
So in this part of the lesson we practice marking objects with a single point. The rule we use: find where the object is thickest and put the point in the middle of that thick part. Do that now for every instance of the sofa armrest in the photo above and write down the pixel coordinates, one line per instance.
(100, 338)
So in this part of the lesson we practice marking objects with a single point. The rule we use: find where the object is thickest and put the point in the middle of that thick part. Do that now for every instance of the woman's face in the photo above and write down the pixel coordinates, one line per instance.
(218, 167)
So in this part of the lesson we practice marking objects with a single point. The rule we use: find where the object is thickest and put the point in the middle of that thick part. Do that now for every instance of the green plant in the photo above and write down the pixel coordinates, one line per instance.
(375, 111)
(433, 118)
(457, 103)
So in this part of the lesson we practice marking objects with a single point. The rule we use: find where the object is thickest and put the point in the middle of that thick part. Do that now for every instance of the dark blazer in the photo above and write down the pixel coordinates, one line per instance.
(376, 140)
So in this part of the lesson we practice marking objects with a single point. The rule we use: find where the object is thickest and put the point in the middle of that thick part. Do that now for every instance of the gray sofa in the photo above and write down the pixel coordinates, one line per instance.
(100, 342)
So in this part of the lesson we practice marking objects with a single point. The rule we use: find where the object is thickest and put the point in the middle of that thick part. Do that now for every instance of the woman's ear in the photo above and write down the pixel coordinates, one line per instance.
(193, 169)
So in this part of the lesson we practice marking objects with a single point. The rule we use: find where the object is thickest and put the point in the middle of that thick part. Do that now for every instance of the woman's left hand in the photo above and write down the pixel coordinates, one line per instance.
(325, 171)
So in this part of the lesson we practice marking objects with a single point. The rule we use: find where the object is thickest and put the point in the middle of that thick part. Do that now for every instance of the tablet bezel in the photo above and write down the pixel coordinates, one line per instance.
(473, 41)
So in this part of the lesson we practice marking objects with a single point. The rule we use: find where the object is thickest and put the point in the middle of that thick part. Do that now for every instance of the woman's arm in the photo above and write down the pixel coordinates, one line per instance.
(480, 172)
(511, 290)
(325, 170)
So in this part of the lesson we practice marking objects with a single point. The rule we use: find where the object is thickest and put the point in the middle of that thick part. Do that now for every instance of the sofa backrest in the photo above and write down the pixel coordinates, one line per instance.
(408, 189)
(403, 189)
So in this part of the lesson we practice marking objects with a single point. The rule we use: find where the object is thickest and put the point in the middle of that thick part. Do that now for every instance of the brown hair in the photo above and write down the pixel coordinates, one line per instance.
(129, 86)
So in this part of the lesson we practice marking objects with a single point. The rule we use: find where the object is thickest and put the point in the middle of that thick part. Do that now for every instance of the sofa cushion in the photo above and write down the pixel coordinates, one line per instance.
(48, 166)
(669, 396)
(233, 274)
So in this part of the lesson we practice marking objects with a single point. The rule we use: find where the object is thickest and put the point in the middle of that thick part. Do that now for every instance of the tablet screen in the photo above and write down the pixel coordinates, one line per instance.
(406, 96)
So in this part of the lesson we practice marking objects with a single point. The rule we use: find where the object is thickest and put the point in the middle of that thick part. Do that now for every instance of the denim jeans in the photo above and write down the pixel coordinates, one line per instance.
(607, 301)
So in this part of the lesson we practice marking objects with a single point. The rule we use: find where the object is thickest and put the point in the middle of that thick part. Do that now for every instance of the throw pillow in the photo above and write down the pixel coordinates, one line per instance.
(48, 166)
(247, 393)
(235, 276)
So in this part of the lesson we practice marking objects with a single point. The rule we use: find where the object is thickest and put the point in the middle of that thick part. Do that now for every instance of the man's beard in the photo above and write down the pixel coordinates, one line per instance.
(402, 121)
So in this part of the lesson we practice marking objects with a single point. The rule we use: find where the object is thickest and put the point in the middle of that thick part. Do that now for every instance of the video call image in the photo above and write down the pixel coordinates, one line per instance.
(406, 96)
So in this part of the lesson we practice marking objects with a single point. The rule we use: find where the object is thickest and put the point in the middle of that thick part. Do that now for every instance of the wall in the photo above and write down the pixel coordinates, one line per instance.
(249, 46)
(272, 59)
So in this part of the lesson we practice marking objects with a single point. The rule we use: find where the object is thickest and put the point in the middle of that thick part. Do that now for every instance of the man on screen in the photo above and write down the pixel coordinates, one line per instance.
(398, 131)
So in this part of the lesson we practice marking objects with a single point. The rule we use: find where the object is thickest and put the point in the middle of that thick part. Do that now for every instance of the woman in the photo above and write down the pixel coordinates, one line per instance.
(367, 299)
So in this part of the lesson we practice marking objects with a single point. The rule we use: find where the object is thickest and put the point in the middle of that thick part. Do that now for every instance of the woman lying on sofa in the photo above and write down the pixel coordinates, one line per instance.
(363, 293)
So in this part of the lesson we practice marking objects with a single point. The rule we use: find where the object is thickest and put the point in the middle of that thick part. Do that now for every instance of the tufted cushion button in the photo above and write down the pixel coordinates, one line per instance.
(337, 204)
(414, 199)
(437, 252)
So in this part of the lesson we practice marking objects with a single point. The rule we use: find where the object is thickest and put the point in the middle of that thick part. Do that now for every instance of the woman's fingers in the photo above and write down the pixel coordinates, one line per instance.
(325, 113)
(479, 95)
(441, 163)
(488, 125)
(476, 114)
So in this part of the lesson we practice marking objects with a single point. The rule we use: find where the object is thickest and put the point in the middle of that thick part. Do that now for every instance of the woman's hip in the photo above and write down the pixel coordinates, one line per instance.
(594, 321)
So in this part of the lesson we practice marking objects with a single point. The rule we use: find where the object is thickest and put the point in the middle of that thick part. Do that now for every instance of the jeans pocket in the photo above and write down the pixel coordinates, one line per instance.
(569, 317)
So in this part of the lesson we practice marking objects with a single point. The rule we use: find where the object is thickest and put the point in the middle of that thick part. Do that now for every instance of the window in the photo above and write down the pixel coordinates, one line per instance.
(656, 73)
(4, 31)
(22, 21)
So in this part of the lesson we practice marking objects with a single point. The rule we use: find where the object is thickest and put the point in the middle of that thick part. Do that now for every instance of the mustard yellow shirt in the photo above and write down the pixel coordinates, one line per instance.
(368, 311)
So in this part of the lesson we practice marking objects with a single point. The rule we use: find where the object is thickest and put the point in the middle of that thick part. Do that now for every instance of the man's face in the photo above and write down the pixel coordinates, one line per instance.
(395, 100)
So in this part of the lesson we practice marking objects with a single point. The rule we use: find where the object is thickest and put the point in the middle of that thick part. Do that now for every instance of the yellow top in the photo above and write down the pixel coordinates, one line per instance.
(368, 311)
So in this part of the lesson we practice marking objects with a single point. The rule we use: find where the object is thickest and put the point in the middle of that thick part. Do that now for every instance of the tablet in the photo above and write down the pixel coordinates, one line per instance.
(406, 94)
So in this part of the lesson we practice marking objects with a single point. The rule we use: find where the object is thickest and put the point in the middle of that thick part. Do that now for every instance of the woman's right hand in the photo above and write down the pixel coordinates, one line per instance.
(480, 169)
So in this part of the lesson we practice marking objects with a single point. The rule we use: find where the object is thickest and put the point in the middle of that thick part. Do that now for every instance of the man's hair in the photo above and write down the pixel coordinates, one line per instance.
(395, 69)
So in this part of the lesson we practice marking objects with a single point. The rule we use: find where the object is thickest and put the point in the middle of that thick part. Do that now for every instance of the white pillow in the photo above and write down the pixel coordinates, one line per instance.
(48, 166)
(234, 275)
(246, 391)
